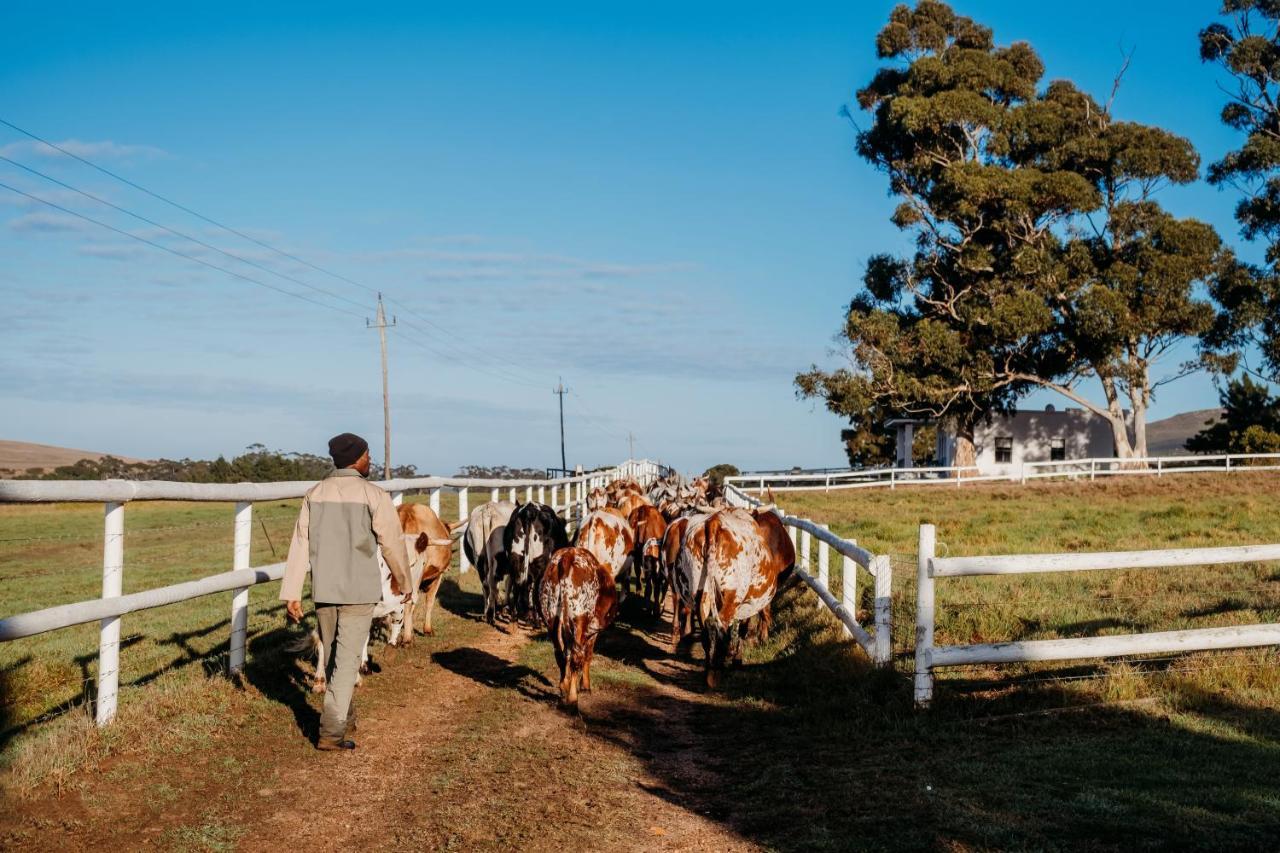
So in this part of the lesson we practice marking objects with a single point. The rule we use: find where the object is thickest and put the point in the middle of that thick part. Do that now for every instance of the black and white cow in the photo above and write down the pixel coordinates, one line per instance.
(533, 534)
(483, 545)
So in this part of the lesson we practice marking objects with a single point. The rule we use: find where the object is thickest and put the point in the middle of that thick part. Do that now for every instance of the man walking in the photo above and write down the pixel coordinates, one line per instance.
(344, 518)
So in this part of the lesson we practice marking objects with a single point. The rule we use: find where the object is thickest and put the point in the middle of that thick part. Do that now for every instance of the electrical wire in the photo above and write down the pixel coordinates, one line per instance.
(256, 241)
(178, 233)
(175, 252)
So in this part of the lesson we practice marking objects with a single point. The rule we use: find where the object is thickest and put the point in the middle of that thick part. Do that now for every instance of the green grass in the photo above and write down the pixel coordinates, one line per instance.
(807, 747)
(52, 554)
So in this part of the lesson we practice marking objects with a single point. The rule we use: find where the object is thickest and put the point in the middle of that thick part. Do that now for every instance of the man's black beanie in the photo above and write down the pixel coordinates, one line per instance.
(346, 449)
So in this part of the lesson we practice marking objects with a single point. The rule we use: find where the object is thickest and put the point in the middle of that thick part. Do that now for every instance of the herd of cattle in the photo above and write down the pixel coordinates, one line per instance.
(722, 565)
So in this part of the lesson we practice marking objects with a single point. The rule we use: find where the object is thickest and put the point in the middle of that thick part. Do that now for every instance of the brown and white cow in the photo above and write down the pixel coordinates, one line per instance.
(609, 539)
(647, 528)
(578, 599)
(728, 570)
(629, 501)
(430, 549)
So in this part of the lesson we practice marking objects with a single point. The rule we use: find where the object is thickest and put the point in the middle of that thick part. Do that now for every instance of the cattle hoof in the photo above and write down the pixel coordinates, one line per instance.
(318, 686)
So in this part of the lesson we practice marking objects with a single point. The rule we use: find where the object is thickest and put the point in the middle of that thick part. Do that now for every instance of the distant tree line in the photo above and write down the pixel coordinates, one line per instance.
(1042, 256)
(256, 465)
(501, 472)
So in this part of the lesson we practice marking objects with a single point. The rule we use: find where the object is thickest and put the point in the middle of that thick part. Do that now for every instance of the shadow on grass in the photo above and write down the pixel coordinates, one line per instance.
(492, 671)
(273, 671)
(806, 748)
(458, 601)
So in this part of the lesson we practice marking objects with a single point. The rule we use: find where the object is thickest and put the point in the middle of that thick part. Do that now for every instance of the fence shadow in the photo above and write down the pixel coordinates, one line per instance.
(806, 748)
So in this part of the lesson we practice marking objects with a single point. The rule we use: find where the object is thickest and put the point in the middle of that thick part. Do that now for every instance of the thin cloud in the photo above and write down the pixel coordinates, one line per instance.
(43, 222)
(101, 150)
(110, 251)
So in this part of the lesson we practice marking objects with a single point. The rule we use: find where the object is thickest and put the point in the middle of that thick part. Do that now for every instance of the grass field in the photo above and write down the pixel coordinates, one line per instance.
(806, 747)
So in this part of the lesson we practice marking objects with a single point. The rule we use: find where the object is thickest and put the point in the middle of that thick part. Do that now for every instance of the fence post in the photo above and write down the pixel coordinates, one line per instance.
(1159, 467)
(849, 589)
(435, 501)
(542, 494)
(109, 628)
(805, 562)
(397, 498)
(493, 494)
(824, 565)
(240, 598)
(512, 497)
(554, 504)
(1228, 461)
(924, 617)
(1093, 468)
(884, 610)
(464, 510)
(893, 478)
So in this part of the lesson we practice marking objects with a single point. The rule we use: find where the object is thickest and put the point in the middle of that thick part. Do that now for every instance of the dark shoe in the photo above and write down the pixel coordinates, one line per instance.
(327, 745)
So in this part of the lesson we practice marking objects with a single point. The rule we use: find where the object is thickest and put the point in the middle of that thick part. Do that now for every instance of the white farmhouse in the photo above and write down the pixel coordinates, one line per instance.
(1004, 443)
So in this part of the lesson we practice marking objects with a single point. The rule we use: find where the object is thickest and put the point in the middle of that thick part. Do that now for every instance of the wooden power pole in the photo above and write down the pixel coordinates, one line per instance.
(631, 445)
(560, 391)
(381, 326)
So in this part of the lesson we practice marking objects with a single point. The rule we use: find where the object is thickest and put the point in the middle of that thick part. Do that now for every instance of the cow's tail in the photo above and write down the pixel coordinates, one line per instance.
(305, 644)
(566, 626)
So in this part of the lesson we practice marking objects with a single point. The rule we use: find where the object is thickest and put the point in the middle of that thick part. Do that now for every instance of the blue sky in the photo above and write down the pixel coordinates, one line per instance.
(657, 202)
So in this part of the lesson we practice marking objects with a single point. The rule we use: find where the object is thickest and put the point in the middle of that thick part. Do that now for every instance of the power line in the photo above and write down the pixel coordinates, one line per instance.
(453, 358)
(172, 203)
(175, 252)
(181, 234)
(244, 236)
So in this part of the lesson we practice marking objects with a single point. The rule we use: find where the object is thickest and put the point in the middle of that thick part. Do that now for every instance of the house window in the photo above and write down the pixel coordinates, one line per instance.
(1004, 449)
(1057, 450)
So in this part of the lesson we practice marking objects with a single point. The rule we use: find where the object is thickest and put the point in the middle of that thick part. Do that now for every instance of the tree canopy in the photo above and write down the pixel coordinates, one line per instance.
(1041, 258)
(1247, 48)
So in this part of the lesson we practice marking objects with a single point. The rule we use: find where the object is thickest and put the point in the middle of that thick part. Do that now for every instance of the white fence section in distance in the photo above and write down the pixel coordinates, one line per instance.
(870, 478)
(568, 495)
(930, 567)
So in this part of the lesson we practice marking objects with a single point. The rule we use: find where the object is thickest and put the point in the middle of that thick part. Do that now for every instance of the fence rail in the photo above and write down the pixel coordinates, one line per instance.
(567, 494)
(804, 532)
(826, 479)
(930, 567)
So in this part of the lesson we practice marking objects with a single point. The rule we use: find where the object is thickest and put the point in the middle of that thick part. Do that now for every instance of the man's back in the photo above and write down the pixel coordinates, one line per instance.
(343, 520)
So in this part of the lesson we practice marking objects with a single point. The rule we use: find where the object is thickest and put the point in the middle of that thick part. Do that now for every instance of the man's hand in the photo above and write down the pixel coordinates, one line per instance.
(293, 611)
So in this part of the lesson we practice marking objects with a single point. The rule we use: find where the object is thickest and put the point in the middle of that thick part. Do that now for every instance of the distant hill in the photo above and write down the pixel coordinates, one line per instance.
(1167, 437)
(17, 457)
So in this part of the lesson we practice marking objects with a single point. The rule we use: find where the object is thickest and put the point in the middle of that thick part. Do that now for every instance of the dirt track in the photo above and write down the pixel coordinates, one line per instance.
(474, 754)
(461, 746)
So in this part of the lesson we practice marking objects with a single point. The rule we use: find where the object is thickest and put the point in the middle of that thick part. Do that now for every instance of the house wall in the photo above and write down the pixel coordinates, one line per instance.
(1085, 435)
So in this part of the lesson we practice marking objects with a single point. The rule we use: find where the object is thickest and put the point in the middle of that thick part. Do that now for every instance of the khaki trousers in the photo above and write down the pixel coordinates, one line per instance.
(343, 631)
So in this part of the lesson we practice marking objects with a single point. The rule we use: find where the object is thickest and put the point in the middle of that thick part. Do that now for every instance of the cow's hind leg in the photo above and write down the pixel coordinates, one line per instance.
(320, 681)
(429, 603)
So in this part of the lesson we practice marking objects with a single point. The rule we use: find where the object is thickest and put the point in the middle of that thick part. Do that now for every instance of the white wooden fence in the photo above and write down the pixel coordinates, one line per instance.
(956, 476)
(567, 494)
(877, 645)
(930, 567)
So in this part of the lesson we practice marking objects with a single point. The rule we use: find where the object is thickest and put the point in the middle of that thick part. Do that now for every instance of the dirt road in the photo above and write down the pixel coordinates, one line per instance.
(461, 746)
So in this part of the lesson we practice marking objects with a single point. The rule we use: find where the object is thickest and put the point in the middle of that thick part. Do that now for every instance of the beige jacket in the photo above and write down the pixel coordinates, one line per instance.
(344, 519)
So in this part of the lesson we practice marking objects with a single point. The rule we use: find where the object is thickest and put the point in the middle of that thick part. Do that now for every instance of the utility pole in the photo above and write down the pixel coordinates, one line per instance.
(381, 326)
(631, 445)
(560, 391)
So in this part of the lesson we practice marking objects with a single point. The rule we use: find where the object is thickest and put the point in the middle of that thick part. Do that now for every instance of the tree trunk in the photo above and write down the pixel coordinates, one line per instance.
(966, 455)
(1140, 426)
(1115, 416)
